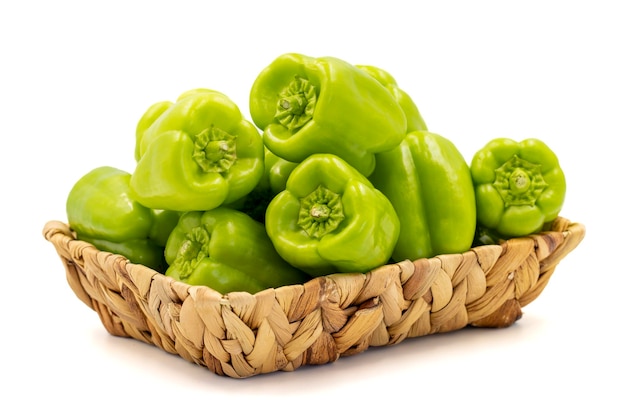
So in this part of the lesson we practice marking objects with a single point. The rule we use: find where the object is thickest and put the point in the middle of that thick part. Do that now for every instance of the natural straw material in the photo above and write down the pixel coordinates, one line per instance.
(242, 335)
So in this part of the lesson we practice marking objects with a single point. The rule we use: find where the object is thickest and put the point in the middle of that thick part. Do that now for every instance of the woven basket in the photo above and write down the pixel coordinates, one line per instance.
(241, 335)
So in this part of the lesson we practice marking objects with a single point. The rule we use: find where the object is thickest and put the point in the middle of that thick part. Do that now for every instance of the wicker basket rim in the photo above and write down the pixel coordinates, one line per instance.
(241, 334)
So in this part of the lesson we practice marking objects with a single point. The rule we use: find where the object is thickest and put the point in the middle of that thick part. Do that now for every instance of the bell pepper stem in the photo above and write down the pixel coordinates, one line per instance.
(321, 212)
(214, 150)
(519, 182)
(296, 104)
(192, 250)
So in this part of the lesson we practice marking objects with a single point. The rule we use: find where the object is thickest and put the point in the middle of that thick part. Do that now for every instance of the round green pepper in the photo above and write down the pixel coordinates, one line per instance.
(330, 218)
(519, 186)
(195, 154)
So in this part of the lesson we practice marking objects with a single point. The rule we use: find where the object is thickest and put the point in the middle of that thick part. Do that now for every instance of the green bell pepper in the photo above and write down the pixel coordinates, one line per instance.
(195, 154)
(227, 251)
(308, 105)
(102, 212)
(331, 219)
(414, 120)
(429, 185)
(519, 186)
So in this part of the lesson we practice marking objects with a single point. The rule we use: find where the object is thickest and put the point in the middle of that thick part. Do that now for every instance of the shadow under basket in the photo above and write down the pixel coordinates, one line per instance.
(241, 334)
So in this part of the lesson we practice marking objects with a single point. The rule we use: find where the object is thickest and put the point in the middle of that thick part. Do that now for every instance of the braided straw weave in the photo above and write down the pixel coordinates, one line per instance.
(241, 335)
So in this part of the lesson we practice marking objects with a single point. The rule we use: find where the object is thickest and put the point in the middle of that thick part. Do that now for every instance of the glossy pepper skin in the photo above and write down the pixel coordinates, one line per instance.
(331, 219)
(227, 251)
(102, 212)
(414, 119)
(195, 154)
(519, 186)
(307, 105)
(429, 184)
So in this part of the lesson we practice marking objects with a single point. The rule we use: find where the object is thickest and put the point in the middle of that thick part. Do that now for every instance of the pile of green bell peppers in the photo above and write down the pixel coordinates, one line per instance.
(335, 172)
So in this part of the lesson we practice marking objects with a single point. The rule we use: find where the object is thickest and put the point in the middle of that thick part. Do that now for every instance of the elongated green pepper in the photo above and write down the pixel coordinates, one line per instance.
(308, 105)
(228, 251)
(414, 119)
(519, 186)
(101, 211)
(331, 219)
(195, 154)
(430, 186)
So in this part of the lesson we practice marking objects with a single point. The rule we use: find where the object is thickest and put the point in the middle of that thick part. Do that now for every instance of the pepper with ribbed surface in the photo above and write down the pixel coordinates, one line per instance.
(196, 154)
(330, 218)
(429, 184)
(307, 105)
(520, 186)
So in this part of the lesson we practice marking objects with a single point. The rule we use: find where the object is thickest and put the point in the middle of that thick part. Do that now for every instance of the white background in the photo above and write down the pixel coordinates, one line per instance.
(76, 76)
